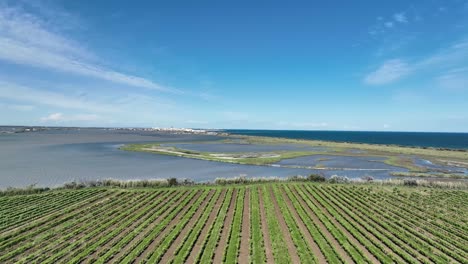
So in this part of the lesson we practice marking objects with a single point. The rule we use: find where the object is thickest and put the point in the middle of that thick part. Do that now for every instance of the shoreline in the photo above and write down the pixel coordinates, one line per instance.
(236, 181)
(402, 157)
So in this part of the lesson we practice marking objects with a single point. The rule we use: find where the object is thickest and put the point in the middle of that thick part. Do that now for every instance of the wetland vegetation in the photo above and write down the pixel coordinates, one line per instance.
(438, 162)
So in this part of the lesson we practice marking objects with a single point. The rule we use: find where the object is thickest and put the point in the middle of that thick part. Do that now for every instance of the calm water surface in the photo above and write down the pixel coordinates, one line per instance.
(55, 157)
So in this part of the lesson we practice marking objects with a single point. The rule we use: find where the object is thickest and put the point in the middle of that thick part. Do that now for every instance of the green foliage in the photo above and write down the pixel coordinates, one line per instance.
(365, 222)
(316, 177)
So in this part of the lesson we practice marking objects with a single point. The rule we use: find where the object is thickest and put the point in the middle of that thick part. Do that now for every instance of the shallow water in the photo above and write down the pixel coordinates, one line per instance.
(53, 158)
(437, 167)
(238, 147)
(346, 166)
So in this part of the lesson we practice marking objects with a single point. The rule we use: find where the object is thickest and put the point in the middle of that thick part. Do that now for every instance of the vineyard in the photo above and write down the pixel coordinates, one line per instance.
(257, 223)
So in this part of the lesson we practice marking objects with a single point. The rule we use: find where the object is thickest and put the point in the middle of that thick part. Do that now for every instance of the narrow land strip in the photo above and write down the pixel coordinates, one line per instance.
(266, 234)
(244, 252)
(205, 231)
(285, 230)
(221, 248)
(170, 253)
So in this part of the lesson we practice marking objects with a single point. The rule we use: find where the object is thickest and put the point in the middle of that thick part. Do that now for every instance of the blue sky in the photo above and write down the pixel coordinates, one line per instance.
(308, 65)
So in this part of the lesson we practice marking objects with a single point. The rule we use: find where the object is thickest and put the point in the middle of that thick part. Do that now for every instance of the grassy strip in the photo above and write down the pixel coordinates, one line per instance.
(233, 244)
(74, 229)
(443, 242)
(209, 248)
(184, 249)
(257, 247)
(105, 256)
(384, 149)
(299, 241)
(145, 243)
(348, 219)
(325, 246)
(421, 242)
(280, 251)
(71, 247)
(428, 175)
(52, 206)
(448, 224)
(341, 238)
(155, 257)
(385, 236)
(36, 239)
(51, 220)
(136, 216)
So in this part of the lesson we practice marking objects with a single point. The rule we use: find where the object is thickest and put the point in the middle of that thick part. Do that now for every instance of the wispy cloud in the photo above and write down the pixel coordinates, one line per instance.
(17, 107)
(395, 69)
(12, 91)
(25, 39)
(59, 117)
(400, 17)
(454, 80)
(52, 117)
(388, 72)
(389, 24)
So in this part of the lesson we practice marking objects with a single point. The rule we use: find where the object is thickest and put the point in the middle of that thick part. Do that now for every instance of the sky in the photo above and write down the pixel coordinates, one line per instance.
(298, 65)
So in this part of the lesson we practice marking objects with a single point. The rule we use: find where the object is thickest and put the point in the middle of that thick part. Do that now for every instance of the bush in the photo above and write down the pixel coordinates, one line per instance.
(31, 189)
(172, 182)
(317, 178)
(367, 178)
(297, 178)
(410, 183)
(338, 179)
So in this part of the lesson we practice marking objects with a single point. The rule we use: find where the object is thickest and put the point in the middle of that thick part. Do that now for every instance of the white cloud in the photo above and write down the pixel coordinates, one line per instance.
(25, 39)
(59, 117)
(388, 24)
(52, 117)
(12, 91)
(400, 18)
(454, 56)
(454, 80)
(388, 72)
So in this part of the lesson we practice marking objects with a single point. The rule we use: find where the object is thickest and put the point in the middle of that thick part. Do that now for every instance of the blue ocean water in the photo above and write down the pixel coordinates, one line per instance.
(412, 139)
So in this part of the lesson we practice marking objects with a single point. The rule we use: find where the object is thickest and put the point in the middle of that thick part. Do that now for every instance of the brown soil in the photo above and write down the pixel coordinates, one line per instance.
(206, 229)
(221, 248)
(244, 251)
(167, 229)
(266, 234)
(150, 227)
(137, 205)
(285, 230)
(324, 230)
(59, 214)
(170, 253)
(305, 232)
(45, 243)
(351, 238)
(373, 239)
(156, 205)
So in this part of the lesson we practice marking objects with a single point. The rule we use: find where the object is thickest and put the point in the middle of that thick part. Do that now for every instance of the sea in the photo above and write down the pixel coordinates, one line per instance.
(410, 139)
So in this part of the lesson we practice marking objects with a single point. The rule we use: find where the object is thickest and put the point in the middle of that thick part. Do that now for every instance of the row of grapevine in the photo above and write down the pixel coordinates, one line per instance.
(257, 223)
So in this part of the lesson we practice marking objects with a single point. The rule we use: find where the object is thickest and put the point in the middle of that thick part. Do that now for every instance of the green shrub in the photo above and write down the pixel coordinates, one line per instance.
(317, 178)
